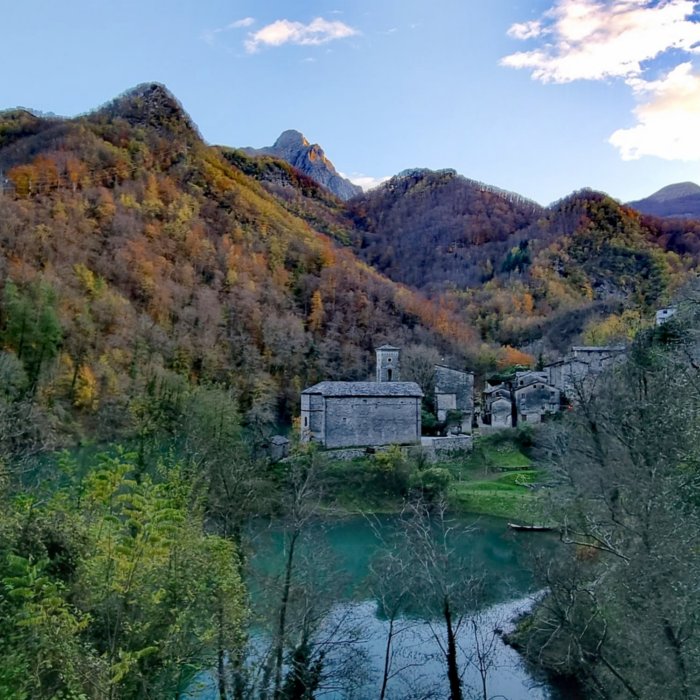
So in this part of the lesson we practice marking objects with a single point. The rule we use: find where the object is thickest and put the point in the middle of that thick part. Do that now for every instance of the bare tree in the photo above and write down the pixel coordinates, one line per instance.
(623, 613)
(445, 588)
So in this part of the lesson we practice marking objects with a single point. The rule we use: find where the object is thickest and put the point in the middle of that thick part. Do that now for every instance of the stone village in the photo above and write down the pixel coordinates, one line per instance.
(351, 418)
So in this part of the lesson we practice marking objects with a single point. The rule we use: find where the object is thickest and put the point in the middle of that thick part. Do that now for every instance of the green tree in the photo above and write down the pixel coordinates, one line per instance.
(30, 325)
(112, 588)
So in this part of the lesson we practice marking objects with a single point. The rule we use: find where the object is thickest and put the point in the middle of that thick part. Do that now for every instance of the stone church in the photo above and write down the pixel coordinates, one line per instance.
(364, 414)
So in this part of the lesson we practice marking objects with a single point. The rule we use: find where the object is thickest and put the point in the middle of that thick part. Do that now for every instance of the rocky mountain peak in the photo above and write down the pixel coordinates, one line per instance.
(310, 159)
(150, 104)
(291, 140)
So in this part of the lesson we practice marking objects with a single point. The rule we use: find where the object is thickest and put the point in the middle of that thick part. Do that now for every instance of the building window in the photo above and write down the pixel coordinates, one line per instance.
(389, 372)
(306, 421)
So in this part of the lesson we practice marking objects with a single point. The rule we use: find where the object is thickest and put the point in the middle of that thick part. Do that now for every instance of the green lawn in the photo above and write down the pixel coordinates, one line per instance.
(512, 502)
(494, 480)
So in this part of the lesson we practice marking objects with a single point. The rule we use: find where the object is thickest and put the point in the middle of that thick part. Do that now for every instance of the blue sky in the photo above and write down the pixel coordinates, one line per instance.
(541, 97)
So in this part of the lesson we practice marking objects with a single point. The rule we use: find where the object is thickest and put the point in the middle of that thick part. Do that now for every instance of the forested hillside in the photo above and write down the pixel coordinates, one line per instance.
(586, 269)
(135, 256)
(437, 230)
(591, 270)
(132, 255)
(162, 304)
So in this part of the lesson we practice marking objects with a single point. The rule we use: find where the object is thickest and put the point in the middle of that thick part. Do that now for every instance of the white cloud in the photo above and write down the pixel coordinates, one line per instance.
(607, 39)
(240, 23)
(283, 31)
(667, 121)
(211, 34)
(366, 182)
(595, 39)
(525, 30)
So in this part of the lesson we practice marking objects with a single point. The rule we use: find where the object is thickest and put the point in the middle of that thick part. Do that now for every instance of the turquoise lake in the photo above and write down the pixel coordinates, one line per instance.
(336, 557)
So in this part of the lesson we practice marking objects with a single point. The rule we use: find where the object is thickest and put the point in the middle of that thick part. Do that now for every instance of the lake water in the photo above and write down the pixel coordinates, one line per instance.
(336, 560)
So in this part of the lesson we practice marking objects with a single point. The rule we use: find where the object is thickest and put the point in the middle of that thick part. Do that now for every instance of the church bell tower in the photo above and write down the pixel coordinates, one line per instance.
(388, 365)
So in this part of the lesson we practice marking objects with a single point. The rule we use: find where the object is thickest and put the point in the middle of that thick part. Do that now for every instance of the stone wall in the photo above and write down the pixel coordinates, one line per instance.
(501, 413)
(374, 420)
(454, 391)
(312, 418)
(536, 400)
(435, 448)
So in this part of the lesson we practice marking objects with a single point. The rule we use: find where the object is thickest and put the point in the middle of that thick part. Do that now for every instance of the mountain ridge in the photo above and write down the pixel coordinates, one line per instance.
(207, 263)
(681, 199)
(160, 262)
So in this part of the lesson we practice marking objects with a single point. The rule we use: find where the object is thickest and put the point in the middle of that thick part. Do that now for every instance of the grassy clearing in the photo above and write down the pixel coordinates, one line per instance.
(515, 504)
(496, 479)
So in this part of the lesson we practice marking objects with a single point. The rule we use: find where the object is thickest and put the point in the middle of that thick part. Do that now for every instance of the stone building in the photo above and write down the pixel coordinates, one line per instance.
(454, 391)
(498, 406)
(577, 372)
(663, 315)
(364, 414)
(534, 397)
(388, 364)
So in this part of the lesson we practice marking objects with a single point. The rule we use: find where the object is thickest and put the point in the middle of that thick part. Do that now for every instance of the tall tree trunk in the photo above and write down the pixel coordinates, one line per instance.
(221, 656)
(452, 667)
(281, 626)
(387, 659)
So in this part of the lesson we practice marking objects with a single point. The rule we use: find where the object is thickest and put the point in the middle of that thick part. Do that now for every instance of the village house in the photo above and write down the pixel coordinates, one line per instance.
(577, 372)
(454, 398)
(498, 406)
(534, 397)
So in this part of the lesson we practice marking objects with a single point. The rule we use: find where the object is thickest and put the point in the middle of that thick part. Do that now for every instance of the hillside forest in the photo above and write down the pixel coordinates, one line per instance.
(164, 301)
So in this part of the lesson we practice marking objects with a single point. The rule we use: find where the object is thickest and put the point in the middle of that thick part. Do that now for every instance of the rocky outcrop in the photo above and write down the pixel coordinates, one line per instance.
(310, 159)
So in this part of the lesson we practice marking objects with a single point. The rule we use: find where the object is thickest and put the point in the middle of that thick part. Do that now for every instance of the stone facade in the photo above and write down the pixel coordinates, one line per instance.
(388, 364)
(361, 414)
(534, 397)
(498, 405)
(454, 391)
(576, 374)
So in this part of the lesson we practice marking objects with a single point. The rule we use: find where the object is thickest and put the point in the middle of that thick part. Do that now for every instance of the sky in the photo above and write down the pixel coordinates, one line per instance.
(541, 97)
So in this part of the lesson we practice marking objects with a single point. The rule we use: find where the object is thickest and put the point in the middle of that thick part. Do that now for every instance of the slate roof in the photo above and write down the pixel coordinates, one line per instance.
(365, 389)
(452, 369)
(496, 387)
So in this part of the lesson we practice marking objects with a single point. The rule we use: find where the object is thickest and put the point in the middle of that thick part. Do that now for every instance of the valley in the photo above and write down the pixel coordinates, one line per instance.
(165, 304)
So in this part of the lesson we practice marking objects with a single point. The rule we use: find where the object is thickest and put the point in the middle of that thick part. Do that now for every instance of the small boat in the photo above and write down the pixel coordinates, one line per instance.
(530, 528)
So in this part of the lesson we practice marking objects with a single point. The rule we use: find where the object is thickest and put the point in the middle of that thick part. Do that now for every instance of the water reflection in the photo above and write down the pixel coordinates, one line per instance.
(336, 559)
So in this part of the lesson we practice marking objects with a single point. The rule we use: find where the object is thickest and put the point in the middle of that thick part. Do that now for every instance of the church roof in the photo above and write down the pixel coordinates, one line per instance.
(365, 389)
(387, 347)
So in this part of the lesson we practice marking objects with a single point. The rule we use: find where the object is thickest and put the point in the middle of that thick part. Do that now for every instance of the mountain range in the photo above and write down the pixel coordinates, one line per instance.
(160, 260)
